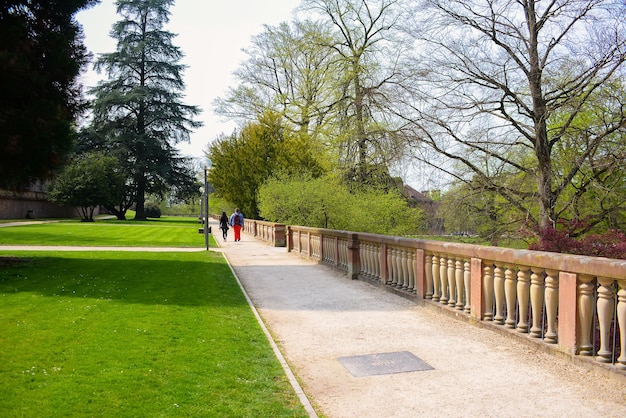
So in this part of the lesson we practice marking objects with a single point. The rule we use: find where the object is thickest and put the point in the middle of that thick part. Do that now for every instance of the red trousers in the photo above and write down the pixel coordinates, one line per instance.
(237, 229)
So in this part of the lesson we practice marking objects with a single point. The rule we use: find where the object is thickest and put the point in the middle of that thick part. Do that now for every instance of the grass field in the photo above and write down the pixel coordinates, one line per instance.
(164, 232)
(131, 333)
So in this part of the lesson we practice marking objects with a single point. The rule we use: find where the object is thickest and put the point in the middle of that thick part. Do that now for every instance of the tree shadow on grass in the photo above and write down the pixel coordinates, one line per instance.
(145, 278)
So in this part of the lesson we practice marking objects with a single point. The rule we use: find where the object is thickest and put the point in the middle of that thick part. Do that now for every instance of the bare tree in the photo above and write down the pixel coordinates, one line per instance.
(288, 73)
(502, 88)
(364, 44)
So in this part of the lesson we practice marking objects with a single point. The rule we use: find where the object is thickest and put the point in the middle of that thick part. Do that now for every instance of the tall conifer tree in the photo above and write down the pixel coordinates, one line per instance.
(138, 111)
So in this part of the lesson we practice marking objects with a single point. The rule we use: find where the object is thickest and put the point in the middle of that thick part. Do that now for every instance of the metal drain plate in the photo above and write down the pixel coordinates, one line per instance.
(383, 363)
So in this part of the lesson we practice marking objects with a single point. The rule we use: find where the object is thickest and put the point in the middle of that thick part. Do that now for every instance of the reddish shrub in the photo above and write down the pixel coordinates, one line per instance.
(611, 244)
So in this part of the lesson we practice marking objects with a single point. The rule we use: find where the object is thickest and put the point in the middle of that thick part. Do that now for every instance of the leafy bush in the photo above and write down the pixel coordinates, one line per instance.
(152, 210)
(326, 203)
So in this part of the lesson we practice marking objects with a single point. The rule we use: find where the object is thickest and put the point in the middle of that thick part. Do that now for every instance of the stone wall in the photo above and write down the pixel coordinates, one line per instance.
(31, 204)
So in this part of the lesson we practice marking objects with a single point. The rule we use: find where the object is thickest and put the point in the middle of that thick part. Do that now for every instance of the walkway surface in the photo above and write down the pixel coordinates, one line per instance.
(319, 318)
(324, 323)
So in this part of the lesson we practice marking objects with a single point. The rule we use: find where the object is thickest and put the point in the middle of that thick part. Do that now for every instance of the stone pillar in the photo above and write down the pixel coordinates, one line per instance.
(354, 265)
(568, 315)
(279, 235)
(476, 272)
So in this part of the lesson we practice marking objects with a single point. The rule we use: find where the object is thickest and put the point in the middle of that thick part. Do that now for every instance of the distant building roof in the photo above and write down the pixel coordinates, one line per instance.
(411, 193)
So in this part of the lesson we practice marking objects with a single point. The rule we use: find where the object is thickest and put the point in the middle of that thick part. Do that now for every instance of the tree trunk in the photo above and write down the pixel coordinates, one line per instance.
(140, 213)
(542, 146)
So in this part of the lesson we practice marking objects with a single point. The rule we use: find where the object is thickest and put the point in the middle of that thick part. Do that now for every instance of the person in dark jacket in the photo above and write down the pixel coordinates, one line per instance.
(224, 225)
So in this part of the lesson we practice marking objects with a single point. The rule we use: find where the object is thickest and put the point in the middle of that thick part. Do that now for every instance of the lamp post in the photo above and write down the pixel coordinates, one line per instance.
(206, 204)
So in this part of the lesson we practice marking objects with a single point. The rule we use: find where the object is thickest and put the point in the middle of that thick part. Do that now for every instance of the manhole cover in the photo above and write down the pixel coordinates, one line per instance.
(383, 363)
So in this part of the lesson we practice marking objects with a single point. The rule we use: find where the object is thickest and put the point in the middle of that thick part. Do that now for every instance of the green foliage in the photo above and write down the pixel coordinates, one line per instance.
(88, 181)
(245, 160)
(138, 113)
(152, 210)
(325, 203)
(41, 54)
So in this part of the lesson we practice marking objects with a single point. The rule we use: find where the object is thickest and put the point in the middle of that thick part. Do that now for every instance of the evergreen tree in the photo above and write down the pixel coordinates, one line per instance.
(41, 53)
(138, 111)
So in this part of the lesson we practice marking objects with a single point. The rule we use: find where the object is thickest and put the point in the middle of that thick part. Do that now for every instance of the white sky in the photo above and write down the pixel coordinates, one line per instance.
(211, 33)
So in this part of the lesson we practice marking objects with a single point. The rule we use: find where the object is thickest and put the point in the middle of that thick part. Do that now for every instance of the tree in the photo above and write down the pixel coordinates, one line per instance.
(245, 160)
(138, 113)
(327, 76)
(496, 82)
(41, 54)
(88, 181)
(287, 72)
(364, 46)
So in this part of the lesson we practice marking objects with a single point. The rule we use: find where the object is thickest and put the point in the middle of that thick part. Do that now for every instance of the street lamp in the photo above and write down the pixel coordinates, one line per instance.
(207, 166)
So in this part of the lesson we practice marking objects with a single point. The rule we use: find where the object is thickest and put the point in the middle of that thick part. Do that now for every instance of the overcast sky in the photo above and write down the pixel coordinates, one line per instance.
(211, 33)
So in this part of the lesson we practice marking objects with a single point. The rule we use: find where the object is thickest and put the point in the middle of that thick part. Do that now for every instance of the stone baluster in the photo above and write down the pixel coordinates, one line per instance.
(510, 295)
(488, 291)
(552, 303)
(363, 258)
(405, 269)
(397, 270)
(498, 289)
(411, 265)
(436, 279)
(368, 260)
(389, 266)
(401, 269)
(536, 301)
(605, 305)
(621, 319)
(451, 282)
(467, 279)
(586, 301)
(443, 276)
(428, 272)
(377, 261)
(523, 296)
(458, 277)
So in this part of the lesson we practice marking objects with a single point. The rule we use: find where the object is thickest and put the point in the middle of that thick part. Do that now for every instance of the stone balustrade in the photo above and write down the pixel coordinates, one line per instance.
(269, 232)
(571, 305)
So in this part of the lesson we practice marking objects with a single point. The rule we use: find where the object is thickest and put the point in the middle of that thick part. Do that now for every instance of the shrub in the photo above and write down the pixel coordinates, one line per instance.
(152, 210)
(611, 244)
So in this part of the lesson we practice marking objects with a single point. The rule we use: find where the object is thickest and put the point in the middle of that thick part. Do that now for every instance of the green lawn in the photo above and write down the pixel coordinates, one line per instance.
(132, 334)
(162, 232)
